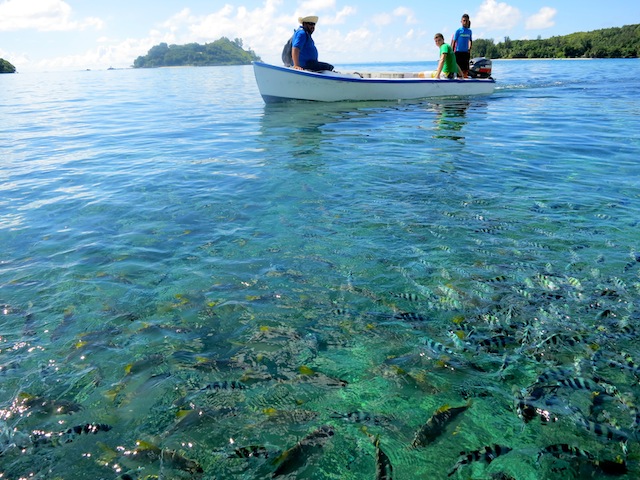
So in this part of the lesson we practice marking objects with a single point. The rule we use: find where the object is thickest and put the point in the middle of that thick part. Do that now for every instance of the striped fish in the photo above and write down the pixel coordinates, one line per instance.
(251, 451)
(580, 383)
(225, 385)
(603, 430)
(384, 468)
(553, 374)
(298, 455)
(496, 344)
(436, 425)
(39, 438)
(438, 348)
(410, 317)
(361, 417)
(487, 454)
(565, 450)
(411, 297)
(168, 458)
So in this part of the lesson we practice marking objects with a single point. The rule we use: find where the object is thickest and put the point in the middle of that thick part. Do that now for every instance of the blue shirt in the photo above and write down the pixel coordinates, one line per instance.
(304, 42)
(462, 37)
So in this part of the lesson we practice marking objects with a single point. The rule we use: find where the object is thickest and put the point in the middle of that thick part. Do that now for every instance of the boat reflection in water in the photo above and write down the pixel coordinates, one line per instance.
(306, 132)
(450, 118)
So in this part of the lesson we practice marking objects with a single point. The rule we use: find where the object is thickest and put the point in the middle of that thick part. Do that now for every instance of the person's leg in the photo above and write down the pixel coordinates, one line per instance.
(462, 59)
(317, 66)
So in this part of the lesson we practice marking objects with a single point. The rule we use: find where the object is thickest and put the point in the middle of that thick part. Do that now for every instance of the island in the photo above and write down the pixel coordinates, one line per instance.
(221, 52)
(620, 42)
(6, 67)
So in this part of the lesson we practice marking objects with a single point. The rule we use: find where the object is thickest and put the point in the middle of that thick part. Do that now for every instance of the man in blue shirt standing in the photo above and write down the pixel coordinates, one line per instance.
(461, 44)
(304, 52)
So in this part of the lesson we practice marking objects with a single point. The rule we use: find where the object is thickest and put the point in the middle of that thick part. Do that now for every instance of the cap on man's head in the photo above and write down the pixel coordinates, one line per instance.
(308, 19)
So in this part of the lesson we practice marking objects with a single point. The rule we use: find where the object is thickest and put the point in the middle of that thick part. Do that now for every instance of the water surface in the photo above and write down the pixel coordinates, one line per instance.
(164, 232)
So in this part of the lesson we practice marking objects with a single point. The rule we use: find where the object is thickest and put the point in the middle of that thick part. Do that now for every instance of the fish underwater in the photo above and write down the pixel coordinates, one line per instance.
(487, 454)
(251, 451)
(297, 456)
(25, 401)
(437, 424)
(607, 467)
(12, 439)
(362, 417)
(67, 436)
(497, 338)
(149, 452)
(384, 468)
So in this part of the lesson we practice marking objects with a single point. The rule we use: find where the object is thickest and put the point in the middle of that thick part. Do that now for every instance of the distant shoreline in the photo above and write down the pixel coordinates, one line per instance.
(529, 59)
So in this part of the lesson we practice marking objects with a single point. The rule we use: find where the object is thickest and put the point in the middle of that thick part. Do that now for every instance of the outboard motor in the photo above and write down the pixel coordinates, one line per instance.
(480, 67)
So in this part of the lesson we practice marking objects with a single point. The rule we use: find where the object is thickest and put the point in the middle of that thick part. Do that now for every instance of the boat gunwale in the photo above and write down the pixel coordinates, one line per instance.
(321, 76)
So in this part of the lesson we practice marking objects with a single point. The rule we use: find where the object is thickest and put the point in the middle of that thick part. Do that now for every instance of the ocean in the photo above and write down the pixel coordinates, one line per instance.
(194, 284)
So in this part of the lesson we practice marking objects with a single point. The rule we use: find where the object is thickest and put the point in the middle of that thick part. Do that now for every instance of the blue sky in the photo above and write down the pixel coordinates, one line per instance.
(46, 35)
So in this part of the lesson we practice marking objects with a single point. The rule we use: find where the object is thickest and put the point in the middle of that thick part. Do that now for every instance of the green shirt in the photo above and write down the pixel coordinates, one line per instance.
(450, 65)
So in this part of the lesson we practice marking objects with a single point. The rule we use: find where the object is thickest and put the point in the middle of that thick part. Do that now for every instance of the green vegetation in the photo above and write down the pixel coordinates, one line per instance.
(220, 52)
(6, 67)
(623, 42)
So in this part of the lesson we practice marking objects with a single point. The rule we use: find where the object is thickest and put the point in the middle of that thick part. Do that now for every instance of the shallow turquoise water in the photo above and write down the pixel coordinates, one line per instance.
(163, 230)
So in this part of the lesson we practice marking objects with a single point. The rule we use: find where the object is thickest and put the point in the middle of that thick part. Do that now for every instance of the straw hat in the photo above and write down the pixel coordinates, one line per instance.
(308, 19)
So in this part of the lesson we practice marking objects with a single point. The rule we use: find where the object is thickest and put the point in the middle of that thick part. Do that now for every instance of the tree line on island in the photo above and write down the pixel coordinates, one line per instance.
(221, 52)
(6, 67)
(620, 42)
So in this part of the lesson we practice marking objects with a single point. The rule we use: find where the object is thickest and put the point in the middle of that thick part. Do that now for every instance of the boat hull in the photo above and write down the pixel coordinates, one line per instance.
(278, 84)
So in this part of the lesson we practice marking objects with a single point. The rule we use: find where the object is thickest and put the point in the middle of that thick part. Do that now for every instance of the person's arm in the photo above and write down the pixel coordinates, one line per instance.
(295, 56)
(440, 65)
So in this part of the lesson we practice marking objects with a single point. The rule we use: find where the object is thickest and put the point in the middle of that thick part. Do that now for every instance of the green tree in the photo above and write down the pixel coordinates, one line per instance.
(623, 42)
(220, 52)
(484, 48)
(6, 67)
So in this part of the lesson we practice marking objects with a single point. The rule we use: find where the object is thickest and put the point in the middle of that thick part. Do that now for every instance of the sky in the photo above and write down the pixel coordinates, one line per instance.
(50, 35)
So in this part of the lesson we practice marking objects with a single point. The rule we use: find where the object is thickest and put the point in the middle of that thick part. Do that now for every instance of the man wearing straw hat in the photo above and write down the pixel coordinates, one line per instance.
(304, 52)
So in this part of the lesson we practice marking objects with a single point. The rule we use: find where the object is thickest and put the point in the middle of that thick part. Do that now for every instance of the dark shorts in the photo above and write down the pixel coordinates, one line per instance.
(317, 66)
(462, 59)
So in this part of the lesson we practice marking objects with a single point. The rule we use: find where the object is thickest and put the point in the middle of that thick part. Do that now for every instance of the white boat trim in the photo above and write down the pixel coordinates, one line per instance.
(277, 84)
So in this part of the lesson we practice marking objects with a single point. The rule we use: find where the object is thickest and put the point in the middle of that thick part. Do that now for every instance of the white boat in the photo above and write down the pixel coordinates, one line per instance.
(277, 84)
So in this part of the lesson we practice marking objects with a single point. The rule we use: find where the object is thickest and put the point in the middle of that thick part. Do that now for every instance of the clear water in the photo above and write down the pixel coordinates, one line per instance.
(163, 230)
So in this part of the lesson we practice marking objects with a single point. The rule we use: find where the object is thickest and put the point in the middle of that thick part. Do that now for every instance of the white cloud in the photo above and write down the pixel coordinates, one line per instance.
(496, 16)
(411, 34)
(263, 29)
(543, 19)
(42, 15)
(407, 13)
(340, 17)
(15, 58)
(119, 55)
(362, 34)
(225, 22)
(215, 25)
(312, 7)
(178, 21)
(382, 19)
(185, 27)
